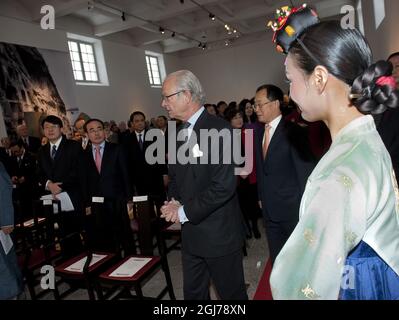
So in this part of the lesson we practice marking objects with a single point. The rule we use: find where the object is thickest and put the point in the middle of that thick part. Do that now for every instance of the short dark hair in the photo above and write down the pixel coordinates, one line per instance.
(18, 143)
(136, 113)
(92, 120)
(220, 103)
(53, 120)
(231, 112)
(395, 54)
(272, 93)
(163, 117)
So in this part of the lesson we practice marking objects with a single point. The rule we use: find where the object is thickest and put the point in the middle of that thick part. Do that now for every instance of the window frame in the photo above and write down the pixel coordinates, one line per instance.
(150, 71)
(85, 81)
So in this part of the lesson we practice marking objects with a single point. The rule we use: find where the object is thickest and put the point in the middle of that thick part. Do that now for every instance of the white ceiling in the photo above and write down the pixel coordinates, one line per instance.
(189, 19)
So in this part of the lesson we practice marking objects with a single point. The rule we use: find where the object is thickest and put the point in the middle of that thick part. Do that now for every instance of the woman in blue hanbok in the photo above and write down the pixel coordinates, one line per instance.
(346, 244)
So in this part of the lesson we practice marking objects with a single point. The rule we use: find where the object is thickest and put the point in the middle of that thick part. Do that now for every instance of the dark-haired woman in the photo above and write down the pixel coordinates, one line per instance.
(246, 185)
(346, 243)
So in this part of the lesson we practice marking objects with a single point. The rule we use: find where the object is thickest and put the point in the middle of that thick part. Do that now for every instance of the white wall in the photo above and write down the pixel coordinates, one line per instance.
(235, 73)
(129, 89)
(384, 40)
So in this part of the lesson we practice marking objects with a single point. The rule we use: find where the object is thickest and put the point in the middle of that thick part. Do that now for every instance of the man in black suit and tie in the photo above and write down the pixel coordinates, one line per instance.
(31, 144)
(106, 191)
(283, 164)
(23, 177)
(147, 179)
(59, 170)
(203, 198)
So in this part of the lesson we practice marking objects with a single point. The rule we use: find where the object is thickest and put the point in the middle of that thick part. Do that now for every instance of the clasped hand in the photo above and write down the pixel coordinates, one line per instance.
(170, 211)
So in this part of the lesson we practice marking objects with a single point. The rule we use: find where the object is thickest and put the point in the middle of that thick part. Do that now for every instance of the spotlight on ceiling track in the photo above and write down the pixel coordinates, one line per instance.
(123, 16)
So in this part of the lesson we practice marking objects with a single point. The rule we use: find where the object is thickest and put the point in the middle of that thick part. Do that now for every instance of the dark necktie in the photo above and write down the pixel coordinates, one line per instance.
(140, 141)
(53, 151)
(185, 126)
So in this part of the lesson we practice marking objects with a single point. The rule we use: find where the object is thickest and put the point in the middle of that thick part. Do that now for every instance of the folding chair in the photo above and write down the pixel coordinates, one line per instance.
(135, 270)
(81, 270)
(34, 247)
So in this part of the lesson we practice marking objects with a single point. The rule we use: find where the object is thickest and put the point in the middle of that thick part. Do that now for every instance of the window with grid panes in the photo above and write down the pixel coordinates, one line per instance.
(153, 70)
(83, 61)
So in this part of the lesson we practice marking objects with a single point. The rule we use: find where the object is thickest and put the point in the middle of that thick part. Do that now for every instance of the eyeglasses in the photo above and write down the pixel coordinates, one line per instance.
(259, 105)
(170, 95)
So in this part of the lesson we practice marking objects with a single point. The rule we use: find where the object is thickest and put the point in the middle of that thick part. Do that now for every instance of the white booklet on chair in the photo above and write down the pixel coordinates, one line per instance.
(6, 241)
(78, 265)
(130, 267)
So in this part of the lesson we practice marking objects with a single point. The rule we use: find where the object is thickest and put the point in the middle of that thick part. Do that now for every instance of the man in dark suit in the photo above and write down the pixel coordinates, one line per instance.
(203, 197)
(282, 167)
(147, 179)
(23, 176)
(31, 144)
(106, 191)
(59, 170)
(6, 154)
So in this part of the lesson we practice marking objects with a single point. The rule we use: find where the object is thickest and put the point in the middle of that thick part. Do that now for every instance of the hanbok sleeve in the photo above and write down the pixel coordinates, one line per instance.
(332, 223)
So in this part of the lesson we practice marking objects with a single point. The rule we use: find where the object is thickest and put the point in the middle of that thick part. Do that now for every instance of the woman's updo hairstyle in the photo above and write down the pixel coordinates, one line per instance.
(375, 90)
(345, 53)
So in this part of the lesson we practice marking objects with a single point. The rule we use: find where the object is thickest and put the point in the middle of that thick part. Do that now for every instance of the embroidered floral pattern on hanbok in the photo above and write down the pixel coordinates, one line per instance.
(309, 293)
(350, 238)
(309, 236)
(347, 182)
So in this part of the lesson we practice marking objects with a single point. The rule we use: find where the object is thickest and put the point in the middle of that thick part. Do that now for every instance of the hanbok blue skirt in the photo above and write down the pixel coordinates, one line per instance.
(372, 279)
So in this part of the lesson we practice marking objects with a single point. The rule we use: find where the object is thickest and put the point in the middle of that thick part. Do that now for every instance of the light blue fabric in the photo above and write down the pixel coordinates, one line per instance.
(373, 278)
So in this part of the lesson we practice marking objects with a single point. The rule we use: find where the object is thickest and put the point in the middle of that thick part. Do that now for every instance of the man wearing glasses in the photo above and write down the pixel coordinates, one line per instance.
(283, 164)
(203, 199)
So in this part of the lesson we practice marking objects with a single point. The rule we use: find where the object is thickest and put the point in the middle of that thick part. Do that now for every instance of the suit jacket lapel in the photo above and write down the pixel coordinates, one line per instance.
(200, 124)
(273, 142)
(105, 158)
(47, 156)
(276, 136)
(59, 150)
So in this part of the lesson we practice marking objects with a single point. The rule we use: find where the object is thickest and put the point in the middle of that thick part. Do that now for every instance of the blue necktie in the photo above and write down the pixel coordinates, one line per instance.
(53, 151)
(140, 141)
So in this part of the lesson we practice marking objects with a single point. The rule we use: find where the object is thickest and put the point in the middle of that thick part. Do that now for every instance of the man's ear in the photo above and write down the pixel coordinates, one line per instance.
(320, 78)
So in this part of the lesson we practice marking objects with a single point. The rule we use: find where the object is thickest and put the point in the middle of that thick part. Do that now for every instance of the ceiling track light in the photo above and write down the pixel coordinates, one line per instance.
(182, 1)
(173, 34)
(200, 45)
(204, 46)
(161, 30)
(123, 16)
(212, 16)
(90, 5)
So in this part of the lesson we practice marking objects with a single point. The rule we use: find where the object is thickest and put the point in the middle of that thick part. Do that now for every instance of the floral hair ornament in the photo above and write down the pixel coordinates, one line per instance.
(387, 81)
(290, 24)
